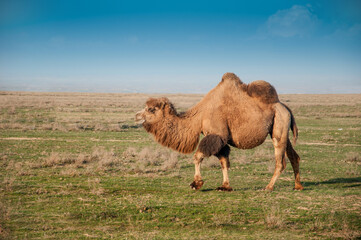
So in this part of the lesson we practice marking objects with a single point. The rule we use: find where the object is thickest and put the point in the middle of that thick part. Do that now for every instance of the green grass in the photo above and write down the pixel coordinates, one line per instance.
(84, 184)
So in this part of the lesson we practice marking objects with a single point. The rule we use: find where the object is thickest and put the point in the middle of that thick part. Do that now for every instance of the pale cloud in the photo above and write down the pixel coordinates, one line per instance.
(351, 32)
(296, 21)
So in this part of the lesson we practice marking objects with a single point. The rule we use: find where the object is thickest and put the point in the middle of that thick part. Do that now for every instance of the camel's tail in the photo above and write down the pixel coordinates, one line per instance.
(293, 125)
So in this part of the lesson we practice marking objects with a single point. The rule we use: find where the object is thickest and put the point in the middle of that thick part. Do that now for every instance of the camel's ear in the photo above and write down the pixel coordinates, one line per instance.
(151, 102)
(167, 106)
(163, 102)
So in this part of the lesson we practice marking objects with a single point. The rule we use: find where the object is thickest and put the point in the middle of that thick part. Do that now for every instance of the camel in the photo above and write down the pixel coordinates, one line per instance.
(231, 114)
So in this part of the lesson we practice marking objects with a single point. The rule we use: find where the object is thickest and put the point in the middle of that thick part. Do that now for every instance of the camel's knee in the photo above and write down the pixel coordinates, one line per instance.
(198, 157)
(292, 154)
(225, 164)
(211, 145)
(280, 165)
(283, 163)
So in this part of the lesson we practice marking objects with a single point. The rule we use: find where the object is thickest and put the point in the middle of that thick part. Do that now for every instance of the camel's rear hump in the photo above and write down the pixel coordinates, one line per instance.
(262, 90)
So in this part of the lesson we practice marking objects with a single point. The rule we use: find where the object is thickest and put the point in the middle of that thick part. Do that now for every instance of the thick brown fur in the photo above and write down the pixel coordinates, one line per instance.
(211, 145)
(234, 113)
(224, 152)
(180, 137)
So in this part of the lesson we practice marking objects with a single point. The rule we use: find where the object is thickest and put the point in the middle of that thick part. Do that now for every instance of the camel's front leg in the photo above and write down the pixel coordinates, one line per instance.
(223, 157)
(198, 182)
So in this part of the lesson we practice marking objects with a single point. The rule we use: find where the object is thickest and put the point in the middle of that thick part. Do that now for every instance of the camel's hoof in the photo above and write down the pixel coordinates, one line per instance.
(267, 189)
(225, 189)
(298, 188)
(196, 185)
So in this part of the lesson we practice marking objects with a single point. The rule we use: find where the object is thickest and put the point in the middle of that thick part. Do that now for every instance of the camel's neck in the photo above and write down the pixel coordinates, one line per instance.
(179, 132)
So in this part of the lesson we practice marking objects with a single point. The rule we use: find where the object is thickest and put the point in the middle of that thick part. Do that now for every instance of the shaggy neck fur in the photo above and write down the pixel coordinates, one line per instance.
(177, 131)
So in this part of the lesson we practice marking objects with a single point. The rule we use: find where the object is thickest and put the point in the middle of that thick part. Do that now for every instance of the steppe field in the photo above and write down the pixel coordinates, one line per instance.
(76, 166)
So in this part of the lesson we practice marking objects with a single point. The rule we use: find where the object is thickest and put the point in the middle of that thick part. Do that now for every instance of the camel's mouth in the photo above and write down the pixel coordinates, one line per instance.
(139, 118)
(141, 121)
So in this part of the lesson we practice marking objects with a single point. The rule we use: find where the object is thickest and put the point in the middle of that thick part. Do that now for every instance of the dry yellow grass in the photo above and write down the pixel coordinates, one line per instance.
(76, 111)
(115, 112)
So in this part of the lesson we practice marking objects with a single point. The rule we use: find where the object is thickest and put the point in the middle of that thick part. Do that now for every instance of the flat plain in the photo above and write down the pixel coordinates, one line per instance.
(76, 166)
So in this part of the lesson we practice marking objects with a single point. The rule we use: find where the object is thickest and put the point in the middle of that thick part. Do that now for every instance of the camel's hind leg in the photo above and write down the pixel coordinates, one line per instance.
(223, 157)
(280, 129)
(295, 161)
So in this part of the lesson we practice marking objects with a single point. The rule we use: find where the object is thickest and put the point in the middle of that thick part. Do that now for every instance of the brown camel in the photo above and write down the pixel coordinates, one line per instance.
(233, 113)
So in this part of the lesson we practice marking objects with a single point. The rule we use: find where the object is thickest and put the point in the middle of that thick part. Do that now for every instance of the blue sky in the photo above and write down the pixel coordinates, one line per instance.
(179, 46)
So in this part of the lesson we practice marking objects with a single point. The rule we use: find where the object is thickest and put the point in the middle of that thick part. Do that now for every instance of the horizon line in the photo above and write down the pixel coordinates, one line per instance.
(149, 93)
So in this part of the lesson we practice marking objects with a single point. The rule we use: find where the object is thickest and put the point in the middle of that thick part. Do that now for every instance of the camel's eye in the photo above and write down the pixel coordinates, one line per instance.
(151, 110)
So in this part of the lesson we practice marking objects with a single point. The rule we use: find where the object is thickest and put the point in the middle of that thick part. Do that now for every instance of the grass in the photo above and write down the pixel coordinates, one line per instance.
(75, 166)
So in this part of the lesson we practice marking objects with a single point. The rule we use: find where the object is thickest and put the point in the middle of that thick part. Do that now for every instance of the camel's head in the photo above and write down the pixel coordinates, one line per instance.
(155, 110)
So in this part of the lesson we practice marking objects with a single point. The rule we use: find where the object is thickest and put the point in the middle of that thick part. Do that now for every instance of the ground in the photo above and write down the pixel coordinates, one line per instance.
(76, 166)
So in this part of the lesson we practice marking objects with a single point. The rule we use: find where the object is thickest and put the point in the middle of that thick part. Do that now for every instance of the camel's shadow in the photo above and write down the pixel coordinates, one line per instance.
(350, 183)
(356, 182)
(208, 190)
(234, 189)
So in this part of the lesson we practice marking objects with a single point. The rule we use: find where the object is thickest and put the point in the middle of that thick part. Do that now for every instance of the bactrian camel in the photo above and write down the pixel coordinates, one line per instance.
(233, 113)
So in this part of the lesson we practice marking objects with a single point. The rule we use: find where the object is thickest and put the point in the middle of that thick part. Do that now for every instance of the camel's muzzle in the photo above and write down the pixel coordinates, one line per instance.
(139, 117)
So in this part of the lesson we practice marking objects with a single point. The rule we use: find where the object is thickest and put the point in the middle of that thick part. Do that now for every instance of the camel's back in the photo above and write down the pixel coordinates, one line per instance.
(260, 90)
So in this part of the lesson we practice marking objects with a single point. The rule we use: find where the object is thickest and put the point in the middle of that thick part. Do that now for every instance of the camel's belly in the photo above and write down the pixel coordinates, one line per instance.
(248, 141)
(251, 134)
